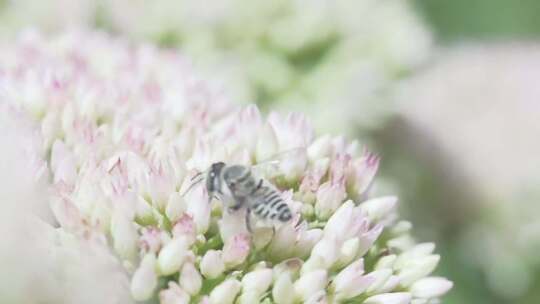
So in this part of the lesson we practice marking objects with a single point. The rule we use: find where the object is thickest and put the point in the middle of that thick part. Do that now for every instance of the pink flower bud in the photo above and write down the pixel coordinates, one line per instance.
(236, 250)
(362, 172)
(320, 148)
(145, 279)
(306, 242)
(185, 227)
(326, 251)
(232, 224)
(329, 198)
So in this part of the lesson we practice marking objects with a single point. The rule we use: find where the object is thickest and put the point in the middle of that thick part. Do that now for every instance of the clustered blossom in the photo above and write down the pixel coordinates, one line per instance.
(321, 57)
(124, 129)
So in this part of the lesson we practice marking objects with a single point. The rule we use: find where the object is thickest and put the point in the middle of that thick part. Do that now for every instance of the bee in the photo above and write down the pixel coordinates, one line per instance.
(245, 191)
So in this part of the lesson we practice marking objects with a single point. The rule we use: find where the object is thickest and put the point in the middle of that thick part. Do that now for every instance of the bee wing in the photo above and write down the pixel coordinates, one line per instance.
(270, 167)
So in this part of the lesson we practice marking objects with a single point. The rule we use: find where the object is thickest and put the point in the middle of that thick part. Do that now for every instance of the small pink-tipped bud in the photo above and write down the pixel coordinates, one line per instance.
(145, 279)
(236, 250)
(173, 295)
(172, 255)
(329, 198)
(226, 292)
(190, 279)
(362, 173)
(212, 265)
(432, 287)
(310, 283)
(390, 298)
(185, 227)
(368, 238)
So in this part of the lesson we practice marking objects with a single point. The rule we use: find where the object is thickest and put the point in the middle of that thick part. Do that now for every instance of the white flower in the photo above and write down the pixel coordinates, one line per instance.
(134, 127)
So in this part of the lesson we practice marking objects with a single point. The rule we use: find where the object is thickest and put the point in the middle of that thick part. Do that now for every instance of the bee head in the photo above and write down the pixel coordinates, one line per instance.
(213, 180)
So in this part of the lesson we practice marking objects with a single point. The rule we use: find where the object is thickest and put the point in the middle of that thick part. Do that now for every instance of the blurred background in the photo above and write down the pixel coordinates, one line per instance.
(448, 92)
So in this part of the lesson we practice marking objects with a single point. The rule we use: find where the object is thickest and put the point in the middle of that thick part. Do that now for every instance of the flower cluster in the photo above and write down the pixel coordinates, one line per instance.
(318, 56)
(124, 129)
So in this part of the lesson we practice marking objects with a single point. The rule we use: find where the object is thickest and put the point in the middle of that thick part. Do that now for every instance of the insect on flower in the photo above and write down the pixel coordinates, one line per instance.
(239, 186)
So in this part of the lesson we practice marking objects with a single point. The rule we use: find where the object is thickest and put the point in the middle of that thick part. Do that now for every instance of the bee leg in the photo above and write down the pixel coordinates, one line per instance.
(248, 220)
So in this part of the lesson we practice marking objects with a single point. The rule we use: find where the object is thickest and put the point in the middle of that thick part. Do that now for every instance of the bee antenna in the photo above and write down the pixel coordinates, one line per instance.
(194, 183)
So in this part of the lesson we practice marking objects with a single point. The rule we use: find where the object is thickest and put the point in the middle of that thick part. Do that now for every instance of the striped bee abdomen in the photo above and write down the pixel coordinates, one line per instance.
(268, 204)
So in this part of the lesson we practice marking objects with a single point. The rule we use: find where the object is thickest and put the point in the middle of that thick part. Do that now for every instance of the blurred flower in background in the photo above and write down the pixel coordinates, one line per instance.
(118, 133)
(334, 60)
(478, 107)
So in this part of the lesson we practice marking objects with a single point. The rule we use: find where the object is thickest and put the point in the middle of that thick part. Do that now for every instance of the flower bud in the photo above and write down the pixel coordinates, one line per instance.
(190, 278)
(432, 287)
(380, 278)
(124, 235)
(320, 148)
(225, 293)
(267, 144)
(390, 298)
(257, 281)
(310, 283)
(145, 279)
(418, 269)
(283, 242)
(327, 250)
(173, 295)
(212, 264)
(378, 208)
(185, 227)
(347, 252)
(390, 284)
(307, 241)
(198, 208)
(172, 256)
(176, 205)
(350, 282)
(362, 173)
(283, 289)
(236, 250)
(329, 198)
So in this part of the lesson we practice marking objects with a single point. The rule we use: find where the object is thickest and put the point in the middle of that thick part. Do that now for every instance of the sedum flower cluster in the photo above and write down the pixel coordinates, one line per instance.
(123, 130)
(324, 56)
